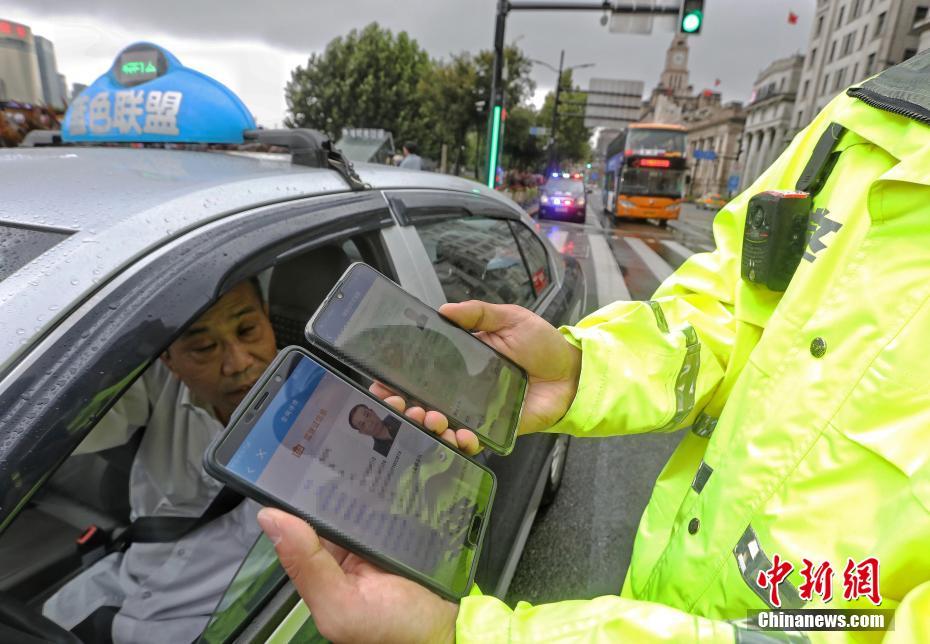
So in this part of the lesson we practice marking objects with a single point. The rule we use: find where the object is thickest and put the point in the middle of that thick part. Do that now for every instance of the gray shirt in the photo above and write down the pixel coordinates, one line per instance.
(166, 591)
(412, 162)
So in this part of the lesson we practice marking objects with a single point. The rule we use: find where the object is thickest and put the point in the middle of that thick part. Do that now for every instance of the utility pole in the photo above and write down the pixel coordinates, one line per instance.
(553, 155)
(497, 94)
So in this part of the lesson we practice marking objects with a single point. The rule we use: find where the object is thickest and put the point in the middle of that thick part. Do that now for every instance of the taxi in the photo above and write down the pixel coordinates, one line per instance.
(115, 235)
(711, 201)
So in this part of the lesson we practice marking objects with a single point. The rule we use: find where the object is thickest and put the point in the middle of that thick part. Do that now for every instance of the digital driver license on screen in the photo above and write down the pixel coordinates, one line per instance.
(333, 453)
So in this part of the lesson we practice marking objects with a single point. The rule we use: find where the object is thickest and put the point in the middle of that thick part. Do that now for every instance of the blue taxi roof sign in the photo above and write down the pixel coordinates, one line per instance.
(148, 96)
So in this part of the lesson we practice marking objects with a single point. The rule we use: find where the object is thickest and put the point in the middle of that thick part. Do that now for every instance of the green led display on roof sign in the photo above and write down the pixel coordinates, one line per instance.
(138, 67)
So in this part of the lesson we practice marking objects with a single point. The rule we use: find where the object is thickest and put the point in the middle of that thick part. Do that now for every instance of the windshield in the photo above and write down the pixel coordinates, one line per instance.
(571, 186)
(642, 141)
(655, 183)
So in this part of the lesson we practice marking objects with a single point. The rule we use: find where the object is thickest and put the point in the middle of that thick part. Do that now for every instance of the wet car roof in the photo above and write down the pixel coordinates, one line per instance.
(88, 212)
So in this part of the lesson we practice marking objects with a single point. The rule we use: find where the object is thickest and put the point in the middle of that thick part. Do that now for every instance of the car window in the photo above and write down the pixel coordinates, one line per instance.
(478, 258)
(535, 257)
(572, 186)
(257, 579)
(87, 500)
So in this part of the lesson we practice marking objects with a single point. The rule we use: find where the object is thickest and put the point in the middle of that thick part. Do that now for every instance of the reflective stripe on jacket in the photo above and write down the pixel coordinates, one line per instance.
(809, 411)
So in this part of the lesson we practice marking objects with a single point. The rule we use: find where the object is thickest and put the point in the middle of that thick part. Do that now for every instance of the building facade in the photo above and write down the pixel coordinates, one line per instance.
(922, 30)
(48, 73)
(19, 65)
(851, 40)
(613, 103)
(718, 129)
(768, 117)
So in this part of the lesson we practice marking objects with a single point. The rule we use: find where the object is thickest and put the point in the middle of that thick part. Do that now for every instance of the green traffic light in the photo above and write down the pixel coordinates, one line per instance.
(691, 21)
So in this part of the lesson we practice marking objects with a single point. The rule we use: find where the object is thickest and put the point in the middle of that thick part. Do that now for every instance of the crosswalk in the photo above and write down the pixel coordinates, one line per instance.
(619, 266)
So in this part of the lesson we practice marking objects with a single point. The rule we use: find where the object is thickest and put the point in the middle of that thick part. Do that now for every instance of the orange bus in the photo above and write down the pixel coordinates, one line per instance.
(645, 172)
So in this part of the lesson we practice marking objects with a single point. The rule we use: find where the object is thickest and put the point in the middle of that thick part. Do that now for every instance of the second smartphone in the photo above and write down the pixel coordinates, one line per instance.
(310, 442)
(383, 331)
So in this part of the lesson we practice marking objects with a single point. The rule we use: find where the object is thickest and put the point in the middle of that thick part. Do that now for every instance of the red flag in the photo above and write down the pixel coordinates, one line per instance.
(716, 82)
(792, 18)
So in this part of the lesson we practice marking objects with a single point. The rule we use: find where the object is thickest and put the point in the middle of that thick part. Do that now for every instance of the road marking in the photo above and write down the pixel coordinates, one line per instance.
(591, 215)
(650, 258)
(557, 236)
(607, 276)
(678, 249)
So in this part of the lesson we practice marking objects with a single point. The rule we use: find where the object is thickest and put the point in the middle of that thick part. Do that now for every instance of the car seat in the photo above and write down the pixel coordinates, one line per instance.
(298, 287)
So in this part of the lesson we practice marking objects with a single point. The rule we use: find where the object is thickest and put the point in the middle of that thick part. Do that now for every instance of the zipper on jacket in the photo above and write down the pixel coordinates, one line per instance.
(894, 105)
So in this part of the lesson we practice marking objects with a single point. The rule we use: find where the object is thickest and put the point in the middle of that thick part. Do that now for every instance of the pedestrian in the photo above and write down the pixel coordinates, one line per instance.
(803, 479)
(412, 160)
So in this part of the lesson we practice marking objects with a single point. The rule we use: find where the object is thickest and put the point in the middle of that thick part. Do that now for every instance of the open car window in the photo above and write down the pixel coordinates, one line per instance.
(62, 532)
(256, 581)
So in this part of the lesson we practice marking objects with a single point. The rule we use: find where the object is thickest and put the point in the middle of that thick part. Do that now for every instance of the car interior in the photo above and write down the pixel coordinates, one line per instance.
(86, 501)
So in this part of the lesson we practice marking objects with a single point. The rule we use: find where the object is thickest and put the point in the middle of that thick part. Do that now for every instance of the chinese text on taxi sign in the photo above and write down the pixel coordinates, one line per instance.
(126, 111)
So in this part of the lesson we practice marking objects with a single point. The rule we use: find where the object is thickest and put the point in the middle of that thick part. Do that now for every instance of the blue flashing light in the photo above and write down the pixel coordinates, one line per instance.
(555, 174)
(148, 96)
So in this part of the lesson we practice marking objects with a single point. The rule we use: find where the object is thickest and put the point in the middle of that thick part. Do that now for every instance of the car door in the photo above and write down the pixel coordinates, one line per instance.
(58, 392)
(483, 248)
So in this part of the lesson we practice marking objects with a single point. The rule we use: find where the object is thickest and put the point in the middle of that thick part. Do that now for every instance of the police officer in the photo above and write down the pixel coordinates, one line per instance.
(808, 409)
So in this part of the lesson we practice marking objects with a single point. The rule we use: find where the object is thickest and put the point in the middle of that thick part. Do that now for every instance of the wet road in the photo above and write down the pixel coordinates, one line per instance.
(580, 546)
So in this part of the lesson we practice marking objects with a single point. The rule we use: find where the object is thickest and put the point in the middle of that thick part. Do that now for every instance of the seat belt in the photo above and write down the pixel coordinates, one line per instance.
(168, 529)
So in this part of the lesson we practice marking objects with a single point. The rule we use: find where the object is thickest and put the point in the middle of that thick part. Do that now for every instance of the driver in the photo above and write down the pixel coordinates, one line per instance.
(167, 591)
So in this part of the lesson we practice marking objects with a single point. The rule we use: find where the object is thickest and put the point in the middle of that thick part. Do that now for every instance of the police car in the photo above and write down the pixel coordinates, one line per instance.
(108, 251)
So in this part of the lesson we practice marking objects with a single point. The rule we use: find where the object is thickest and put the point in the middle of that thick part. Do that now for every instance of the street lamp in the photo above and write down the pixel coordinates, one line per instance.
(558, 92)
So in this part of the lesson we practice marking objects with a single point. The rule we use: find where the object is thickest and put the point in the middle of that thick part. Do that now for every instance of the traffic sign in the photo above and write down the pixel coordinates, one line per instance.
(733, 183)
(707, 155)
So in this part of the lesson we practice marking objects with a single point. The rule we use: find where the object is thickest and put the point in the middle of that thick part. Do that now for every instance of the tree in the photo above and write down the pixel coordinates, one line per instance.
(518, 86)
(455, 96)
(448, 93)
(571, 136)
(366, 79)
(521, 149)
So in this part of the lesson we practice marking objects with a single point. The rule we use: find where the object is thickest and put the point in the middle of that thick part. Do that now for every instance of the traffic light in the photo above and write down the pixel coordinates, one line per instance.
(691, 17)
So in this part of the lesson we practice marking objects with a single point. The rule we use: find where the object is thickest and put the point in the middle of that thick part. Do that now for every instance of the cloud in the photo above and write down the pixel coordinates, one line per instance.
(252, 47)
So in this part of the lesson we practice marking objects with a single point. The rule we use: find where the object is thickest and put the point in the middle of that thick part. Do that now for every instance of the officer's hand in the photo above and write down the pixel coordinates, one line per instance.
(553, 364)
(434, 421)
(350, 599)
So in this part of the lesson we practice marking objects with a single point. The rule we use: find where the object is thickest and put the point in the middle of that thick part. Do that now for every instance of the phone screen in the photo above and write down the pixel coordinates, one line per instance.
(346, 461)
(397, 339)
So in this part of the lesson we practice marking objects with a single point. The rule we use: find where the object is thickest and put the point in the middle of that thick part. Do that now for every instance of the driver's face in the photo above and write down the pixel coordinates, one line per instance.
(223, 353)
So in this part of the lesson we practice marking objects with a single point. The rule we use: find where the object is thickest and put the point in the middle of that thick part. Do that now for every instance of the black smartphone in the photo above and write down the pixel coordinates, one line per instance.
(316, 445)
(372, 324)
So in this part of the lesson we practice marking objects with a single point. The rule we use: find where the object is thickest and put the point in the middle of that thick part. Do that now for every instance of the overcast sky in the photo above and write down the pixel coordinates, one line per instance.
(252, 46)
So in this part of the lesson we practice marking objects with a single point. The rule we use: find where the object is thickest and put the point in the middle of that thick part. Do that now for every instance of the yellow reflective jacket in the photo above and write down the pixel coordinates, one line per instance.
(809, 411)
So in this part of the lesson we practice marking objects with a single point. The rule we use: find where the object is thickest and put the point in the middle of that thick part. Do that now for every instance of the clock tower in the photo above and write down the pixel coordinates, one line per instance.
(675, 74)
